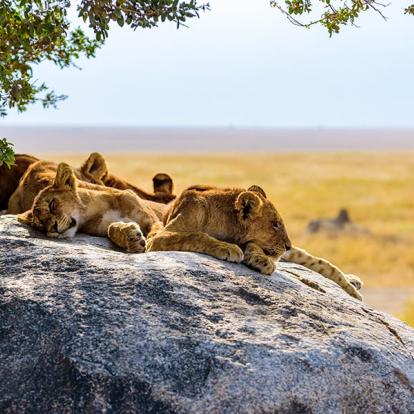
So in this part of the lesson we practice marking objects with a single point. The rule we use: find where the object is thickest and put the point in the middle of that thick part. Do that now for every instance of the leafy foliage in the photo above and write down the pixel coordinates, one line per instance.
(333, 14)
(410, 10)
(6, 153)
(33, 31)
(136, 13)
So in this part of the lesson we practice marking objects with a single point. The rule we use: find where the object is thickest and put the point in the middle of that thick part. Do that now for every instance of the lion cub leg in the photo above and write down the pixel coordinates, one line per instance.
(323, 267)
(128, 236)
(255, 258)
(197, 242)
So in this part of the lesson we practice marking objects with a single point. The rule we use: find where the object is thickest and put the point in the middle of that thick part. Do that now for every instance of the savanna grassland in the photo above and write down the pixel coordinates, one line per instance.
(376, 187)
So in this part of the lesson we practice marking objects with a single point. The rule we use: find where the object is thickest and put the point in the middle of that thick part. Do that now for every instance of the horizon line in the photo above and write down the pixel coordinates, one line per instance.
(214, 127)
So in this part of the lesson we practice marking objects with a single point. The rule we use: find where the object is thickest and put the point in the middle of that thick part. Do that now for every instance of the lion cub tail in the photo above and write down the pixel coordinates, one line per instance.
(325, 268)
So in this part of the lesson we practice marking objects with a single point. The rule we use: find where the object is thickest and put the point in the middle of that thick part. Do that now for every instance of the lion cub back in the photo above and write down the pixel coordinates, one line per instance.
(199, 202)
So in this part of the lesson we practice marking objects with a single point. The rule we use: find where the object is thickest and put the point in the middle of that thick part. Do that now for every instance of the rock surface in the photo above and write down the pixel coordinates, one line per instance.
(87, 329)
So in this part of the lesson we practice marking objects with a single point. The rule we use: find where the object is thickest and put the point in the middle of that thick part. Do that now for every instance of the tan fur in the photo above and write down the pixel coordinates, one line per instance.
(235, 225)
(230, 224)
(62, 208)
(220, 222)
(349, 283)
(95, 170)
(10, 177)
(163, 183)
(40, 174)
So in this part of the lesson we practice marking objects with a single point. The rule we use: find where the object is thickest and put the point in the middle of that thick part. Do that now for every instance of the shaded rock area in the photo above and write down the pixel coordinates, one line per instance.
(88, 329)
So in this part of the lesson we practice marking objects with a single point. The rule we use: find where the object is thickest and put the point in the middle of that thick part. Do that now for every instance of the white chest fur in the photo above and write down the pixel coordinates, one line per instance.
(114, 216)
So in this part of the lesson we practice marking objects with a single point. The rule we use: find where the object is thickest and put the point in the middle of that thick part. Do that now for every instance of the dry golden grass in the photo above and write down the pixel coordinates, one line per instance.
(377, 188)
(408, 313)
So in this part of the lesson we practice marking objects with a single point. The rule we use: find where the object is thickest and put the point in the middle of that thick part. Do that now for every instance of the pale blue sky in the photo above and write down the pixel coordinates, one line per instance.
(242, 64)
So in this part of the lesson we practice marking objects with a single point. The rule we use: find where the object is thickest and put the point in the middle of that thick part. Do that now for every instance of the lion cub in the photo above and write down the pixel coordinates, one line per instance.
(94, 170)
(63, 208)
(239, 226)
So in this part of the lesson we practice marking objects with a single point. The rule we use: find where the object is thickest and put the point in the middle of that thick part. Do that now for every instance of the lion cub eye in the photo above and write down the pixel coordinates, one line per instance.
(52, 206)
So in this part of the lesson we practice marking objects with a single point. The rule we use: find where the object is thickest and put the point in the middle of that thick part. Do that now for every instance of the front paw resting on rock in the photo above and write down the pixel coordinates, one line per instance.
(127, 236)
(229, 252)
(261, 263)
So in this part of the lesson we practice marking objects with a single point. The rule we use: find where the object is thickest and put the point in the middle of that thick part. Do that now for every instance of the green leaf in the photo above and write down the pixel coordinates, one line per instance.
(120, 21)
(6, 153)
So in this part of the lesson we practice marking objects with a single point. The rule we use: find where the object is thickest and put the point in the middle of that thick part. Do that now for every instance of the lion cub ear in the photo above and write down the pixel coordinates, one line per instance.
(95, 168)
(257, 189)
(65, 178)
(163, 183)
(248, 204)
(26, 217)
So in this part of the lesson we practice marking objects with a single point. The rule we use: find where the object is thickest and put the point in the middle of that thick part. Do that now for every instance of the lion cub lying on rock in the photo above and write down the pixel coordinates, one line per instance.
(63, 208)
(39, 174)
(237, 225)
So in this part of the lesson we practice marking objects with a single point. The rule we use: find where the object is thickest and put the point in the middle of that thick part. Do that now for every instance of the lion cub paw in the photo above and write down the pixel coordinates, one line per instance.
(261, 263)
(127, 236)
(355, 281)
(229, 252)
(136, 242)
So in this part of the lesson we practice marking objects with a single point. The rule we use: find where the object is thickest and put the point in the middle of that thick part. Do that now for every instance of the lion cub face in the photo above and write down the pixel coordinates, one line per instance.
(56, 209)
(262, 222)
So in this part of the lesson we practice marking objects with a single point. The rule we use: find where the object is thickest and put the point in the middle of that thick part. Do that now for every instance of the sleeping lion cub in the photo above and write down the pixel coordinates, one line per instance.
(63, 208)
(39, 174)
(230, 224)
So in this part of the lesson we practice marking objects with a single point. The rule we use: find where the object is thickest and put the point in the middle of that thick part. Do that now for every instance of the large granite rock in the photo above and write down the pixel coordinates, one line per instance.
(86, 329)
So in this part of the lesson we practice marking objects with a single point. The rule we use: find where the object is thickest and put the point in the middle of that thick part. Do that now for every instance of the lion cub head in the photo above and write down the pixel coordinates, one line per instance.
(56, 209)
(261, 222)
